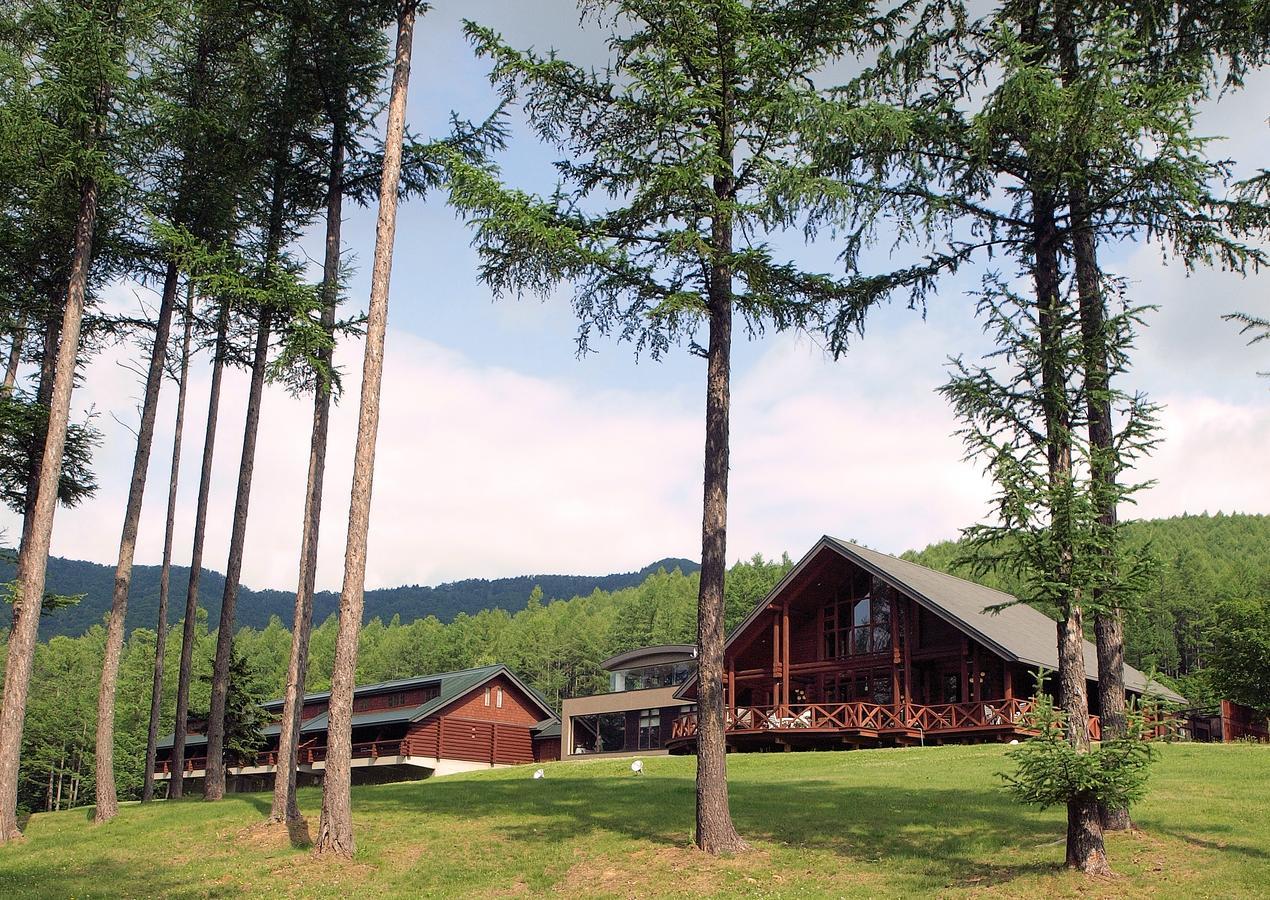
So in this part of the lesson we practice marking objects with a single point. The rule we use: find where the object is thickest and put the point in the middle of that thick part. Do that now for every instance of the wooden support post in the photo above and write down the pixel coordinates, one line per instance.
(785, 652)
(965, 671)
(910, 625)
(976, 680)
(732, 688)
(1008, 679)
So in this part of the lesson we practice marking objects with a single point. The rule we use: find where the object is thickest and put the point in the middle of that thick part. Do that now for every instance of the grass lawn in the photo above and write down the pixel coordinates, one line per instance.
(876, 823)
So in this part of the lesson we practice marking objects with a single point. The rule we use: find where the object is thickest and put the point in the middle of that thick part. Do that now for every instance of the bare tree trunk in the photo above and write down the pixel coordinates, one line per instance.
(107, 798)
(43, 396)
(1085, 850)
(15, 356)
(285, 807)
(165, 574)
(34, 554)
(1108, 617)
(176, 787)
(715, 831)
(335, 830)
(214, 785)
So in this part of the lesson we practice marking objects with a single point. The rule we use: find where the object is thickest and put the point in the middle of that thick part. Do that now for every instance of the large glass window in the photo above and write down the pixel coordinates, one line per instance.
(858, 625)
(650, 729)
(869, 686)
(645, 677)
(602, 733)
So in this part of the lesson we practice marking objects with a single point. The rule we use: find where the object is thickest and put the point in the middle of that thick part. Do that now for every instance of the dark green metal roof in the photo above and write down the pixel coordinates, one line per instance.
(451, 686)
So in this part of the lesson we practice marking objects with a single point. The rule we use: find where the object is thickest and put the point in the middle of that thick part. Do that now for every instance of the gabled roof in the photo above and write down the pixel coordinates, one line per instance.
(451, 686)
(547, 728)
(197, 740)
(1016, 631)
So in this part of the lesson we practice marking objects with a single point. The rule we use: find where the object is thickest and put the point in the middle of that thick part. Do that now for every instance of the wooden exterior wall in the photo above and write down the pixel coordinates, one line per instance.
(516, 708)
(547, 749)
(473, 740)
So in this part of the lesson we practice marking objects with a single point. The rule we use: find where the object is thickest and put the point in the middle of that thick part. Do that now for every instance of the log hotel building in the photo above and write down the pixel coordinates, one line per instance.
(854, 648)
(403, 730)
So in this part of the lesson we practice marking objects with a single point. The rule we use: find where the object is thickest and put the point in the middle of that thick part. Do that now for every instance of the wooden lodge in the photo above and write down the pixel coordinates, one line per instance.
(402, 730)
(855, 648)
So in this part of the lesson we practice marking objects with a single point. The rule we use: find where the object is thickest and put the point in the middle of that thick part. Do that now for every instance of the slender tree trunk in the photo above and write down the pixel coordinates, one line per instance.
(34, 554)
(107, 799)
(43, 396)
(1085, 850)
(214, 785)
(165, 574)
(176, 787)
(715, 832)
(335, 830)
(15, 356)
(285, 807)
(1108, 618)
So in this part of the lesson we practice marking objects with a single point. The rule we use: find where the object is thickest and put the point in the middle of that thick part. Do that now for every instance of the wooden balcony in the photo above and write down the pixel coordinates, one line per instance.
(307, 756)
(989, 719)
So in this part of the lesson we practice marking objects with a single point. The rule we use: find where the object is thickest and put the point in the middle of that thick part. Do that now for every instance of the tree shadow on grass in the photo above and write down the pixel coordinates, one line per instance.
(954, 835)
(1188, 836)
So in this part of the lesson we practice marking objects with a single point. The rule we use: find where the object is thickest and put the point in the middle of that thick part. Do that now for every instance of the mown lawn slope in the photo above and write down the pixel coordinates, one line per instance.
(859, 824)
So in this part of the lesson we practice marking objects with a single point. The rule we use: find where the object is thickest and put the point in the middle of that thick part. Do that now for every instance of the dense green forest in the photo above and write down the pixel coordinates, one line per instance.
(1201, 563)
(558, 643)
(93, 582)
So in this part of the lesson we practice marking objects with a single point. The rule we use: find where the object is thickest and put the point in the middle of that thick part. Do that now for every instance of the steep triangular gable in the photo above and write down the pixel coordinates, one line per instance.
(1016, 632)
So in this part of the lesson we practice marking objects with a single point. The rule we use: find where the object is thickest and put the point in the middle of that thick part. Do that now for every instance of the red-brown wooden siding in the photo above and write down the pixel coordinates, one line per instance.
(471, 740)
(516, 708)
(548, 749)
(414, 697)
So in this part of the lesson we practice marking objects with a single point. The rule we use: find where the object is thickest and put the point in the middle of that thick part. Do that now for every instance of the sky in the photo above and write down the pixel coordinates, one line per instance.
(502, 453)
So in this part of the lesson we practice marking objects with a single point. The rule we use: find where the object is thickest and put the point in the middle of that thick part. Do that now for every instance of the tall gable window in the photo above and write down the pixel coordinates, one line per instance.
(858, 620)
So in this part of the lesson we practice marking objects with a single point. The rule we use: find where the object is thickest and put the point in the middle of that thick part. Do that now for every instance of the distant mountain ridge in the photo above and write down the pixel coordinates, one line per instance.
(255, 607)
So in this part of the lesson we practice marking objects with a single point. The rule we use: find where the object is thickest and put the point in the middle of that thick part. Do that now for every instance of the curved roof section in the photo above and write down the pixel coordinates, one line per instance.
(650, 656)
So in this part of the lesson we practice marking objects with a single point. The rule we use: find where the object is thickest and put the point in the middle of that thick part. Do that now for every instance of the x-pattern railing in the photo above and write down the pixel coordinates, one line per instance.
(864, 716)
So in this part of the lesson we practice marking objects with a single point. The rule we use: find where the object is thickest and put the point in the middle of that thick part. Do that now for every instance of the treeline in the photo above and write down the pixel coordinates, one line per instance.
(556, 644)
(1201, 565)
(92, 584)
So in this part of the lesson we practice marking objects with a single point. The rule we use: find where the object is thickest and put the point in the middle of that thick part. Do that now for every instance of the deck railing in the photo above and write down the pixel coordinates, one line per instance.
(305, 756)
(940, 718)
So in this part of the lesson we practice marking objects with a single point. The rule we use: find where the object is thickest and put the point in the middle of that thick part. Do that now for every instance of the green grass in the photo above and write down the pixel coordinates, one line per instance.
(862, 824)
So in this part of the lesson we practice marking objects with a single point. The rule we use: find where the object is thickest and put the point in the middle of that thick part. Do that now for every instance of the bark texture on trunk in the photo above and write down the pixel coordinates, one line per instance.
(165, 573)
(285, 808)
(1085, 849)
(335, 830)
(33, 556)
(15, 356)
(1108, 618)
(43, 396)
(176, 787)
(214, 784)
(715, 832)
(107, 798)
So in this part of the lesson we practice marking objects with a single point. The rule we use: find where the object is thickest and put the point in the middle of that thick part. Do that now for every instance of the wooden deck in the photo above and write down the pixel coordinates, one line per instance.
(868, 724)
(307, 756)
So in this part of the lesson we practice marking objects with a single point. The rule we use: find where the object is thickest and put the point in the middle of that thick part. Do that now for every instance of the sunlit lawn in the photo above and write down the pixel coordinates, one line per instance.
(860, 824)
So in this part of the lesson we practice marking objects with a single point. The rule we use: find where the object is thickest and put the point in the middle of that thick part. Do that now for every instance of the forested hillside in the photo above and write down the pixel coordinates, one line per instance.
(256, 607)
(1204, 563)
(557, 645)
(1201, 562)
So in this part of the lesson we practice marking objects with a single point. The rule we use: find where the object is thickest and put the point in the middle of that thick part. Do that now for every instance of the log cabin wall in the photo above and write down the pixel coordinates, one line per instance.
(483, 703)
